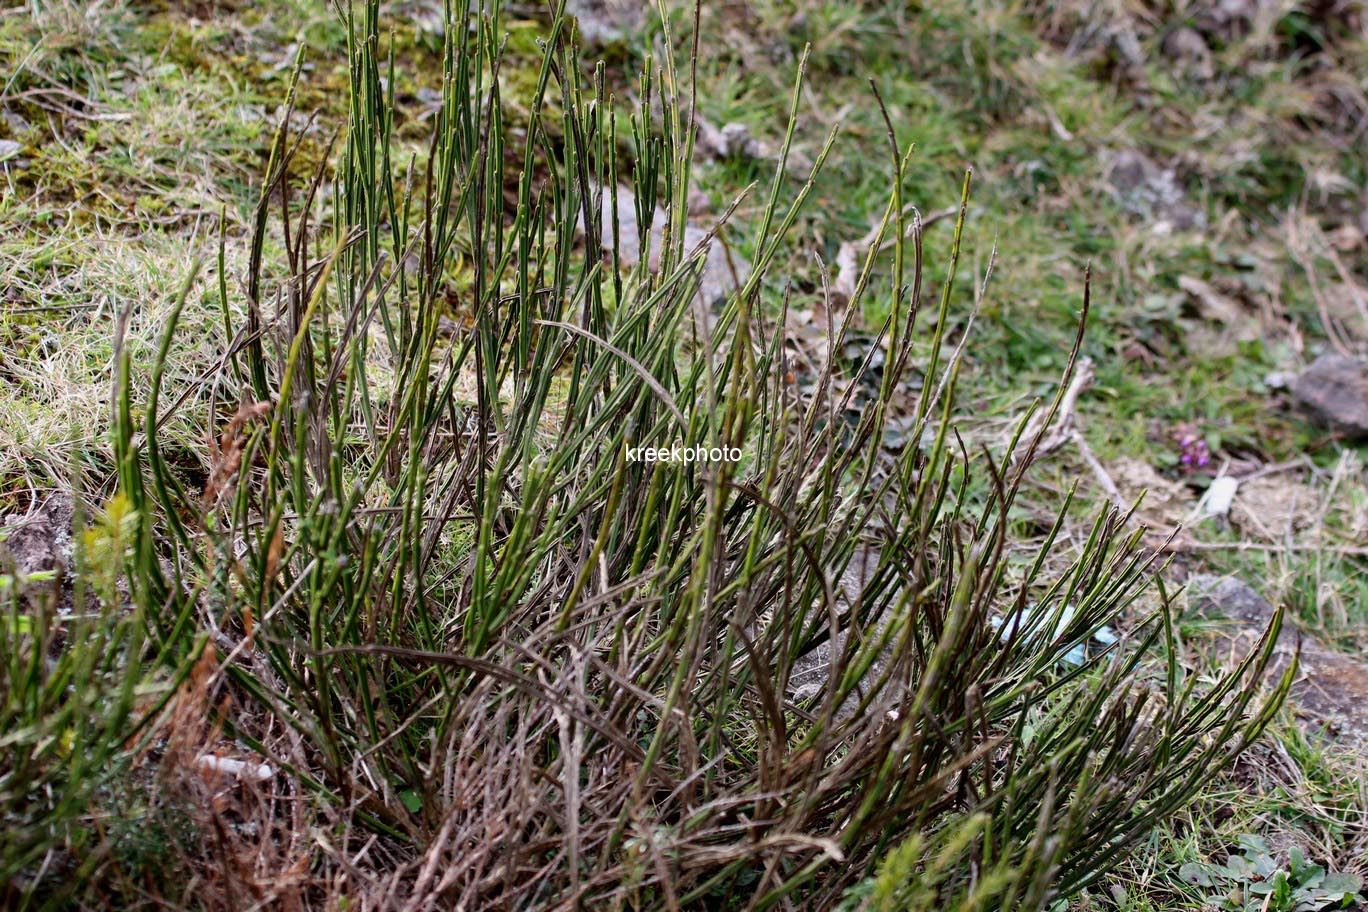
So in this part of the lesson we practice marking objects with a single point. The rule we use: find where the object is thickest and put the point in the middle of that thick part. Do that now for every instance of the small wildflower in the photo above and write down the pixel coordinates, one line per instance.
(1193, 450)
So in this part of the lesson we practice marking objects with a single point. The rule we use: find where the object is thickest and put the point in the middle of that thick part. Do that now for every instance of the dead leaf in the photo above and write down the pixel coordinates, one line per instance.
(227, 453)
(273, 553)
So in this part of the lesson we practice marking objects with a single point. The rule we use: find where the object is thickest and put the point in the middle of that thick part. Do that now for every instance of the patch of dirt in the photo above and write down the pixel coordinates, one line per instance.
(1270, 507)
(1167, 503)
(1330, 695)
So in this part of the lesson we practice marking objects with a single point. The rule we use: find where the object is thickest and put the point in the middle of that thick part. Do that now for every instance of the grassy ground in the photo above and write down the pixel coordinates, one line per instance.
(1264, 131)
(141, 131)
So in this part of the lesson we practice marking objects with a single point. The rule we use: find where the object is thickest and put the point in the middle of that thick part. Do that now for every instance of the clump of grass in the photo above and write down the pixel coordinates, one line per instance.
(77, 691)
(520, 668)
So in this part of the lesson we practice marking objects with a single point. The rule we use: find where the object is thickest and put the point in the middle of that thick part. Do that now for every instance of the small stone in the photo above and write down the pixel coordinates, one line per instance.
(1129, 170)
(1280, 379)
(721, 271)
(604, 23)
(734, 141)
(18, 126)
(737, 142)
(1227, 19)
(1235, 599)
(8, 149)
(1150, 191)
(1334, 389)
(1330, 693)
(1186, 47)
(724, 271)
(41, 541)
(730, 141)
(1128, 48)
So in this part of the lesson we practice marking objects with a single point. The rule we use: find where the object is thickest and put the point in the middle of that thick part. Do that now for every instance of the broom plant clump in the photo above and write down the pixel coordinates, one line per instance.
(505, 665)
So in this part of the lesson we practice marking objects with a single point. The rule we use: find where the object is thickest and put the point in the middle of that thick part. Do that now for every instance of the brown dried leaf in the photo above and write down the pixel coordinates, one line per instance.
(227, 454)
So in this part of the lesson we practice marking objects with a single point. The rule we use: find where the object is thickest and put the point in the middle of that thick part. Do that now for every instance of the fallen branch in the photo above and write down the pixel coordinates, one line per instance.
(1100, 472)
(1064, 430)
(1064, 427)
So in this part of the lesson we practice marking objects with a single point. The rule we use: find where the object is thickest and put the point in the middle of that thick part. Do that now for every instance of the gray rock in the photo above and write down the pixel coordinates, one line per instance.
(1186, 47)
(732, 140)
(40, 541)
(811, 673)
(1334, 389)
(1227, 19)
(1152, 192)
(18, 126)
(1129, 50)
(1330, 693)
(722, 271)
(603, 23)
(1232, 600)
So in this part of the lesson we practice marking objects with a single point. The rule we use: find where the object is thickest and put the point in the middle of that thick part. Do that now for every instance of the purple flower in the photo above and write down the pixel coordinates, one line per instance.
(1192, 449)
